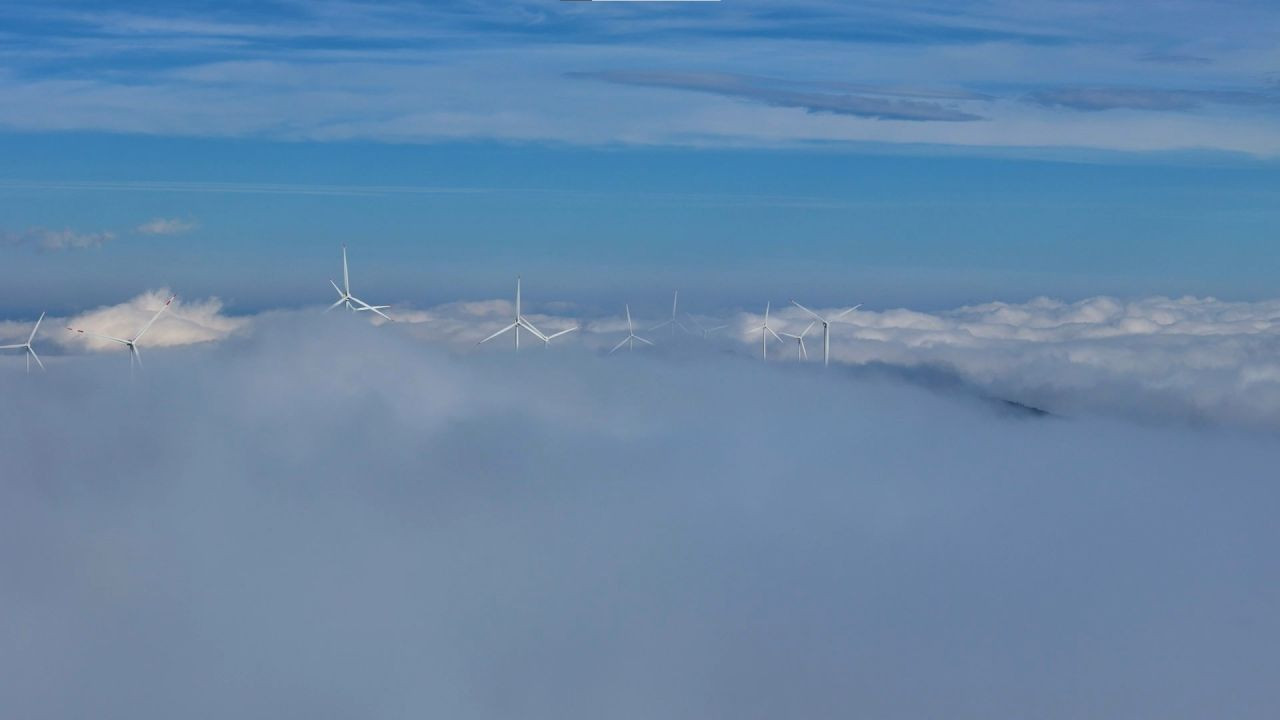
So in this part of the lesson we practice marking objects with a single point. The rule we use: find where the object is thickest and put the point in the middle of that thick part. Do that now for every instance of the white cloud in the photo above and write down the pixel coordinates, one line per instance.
(325, 518)
(184, 323)
(56, 240)
(166, 226)
(1196, 360)
(1189, 358)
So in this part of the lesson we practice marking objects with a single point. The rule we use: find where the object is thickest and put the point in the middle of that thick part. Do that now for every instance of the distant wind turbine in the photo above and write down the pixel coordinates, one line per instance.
(672, 321)
(765, 331)
(521, 322)
(704, 330)
(26, 346)
(631, 338)
(801, 353)
(345, 296)
(131, 343)
(826, 328)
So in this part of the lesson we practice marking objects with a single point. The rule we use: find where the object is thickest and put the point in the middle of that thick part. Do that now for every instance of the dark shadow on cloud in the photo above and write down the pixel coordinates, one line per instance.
(1096, 98)
(881, 104)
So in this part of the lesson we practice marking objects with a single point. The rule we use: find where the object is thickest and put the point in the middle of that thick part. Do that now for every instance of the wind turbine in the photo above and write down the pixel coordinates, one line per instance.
(521, 322)
(131, 343)
(673, 322)
(546, 342)
(826, 328)
(345, 296)
(801, 353)
(706, 331)
(29, 351)
(631, 338)
(765, 331)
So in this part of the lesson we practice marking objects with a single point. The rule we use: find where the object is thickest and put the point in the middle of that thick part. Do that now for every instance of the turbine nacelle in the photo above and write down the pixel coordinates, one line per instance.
(26, 348)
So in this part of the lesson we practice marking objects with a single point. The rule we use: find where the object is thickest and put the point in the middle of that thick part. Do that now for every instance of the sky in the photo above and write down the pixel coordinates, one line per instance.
(925, 155)
(1035, 480)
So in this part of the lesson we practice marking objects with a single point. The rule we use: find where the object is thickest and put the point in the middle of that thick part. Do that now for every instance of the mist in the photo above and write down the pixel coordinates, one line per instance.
(315, 517)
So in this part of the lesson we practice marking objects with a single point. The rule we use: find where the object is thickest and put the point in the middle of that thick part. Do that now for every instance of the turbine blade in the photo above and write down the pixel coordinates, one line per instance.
(34, 329)
(661, 325)
(505, 329)
(11, 347)
(774, 334)
(338, 289)
(646, 342)
(529, 326)
(630, 329)
(155, 317)
(846, 312)
(137, 354)
(618, 347)
(100, 336)
(816, 315)
(37, 357)
(340, 301)
(553, 336)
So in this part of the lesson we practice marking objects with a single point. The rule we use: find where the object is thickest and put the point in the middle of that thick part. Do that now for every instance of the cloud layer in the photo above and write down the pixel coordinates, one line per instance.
(1185, 360)
(324, 517)
(443, 71)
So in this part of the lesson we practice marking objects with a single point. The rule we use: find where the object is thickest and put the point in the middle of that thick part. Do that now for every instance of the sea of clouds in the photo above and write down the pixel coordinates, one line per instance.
(306, 515)
(1182, 360)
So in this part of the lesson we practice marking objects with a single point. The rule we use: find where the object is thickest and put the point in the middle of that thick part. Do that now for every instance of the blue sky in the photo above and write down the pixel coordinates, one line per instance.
(896, 154)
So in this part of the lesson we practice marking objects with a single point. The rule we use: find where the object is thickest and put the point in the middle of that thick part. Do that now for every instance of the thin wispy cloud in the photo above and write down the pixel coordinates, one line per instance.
(726, 74)
(56, 240)
(1153, 99)
(771, 91)
(166, 226)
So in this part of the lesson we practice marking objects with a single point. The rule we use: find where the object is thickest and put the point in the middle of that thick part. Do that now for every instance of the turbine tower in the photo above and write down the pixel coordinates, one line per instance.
(131, 343)
(521, 322)
(765, 331)
(26, 346)
(631, 338)
(801, 353)
(344, 293)
(672, 321)
(826, 328)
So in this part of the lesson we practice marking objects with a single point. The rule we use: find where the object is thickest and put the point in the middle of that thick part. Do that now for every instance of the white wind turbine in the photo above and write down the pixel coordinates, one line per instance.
(703, 329)
(765, 331)
(345, 296)
(26, 346)
(546, 342)
(631, 338)
(672, 321)
(826, 328)
(521, 322)
(801, 353)
(131, 343)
